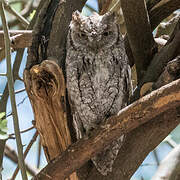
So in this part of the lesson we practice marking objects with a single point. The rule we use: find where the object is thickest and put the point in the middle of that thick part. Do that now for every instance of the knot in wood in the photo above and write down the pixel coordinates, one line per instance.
(47, 80)
(44, 83)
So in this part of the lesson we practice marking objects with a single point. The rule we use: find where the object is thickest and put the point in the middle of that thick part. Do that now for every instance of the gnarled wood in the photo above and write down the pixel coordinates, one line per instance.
(46, 90)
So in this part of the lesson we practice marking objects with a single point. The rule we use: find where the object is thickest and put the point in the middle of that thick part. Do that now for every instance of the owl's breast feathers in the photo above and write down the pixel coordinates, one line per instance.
(101, 79)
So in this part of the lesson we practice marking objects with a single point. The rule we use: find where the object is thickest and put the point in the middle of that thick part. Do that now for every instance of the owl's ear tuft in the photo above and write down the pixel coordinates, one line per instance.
(109, 17)
(77, 17)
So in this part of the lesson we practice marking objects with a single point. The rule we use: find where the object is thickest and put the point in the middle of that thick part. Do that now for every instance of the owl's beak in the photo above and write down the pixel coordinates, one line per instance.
(94, 38)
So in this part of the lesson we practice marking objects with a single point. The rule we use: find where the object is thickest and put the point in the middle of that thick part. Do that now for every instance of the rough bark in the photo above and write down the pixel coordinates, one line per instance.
(138, 144)
(46, 89)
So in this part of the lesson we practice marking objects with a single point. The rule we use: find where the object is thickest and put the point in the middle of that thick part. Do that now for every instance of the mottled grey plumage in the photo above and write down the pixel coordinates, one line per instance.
(98, 77)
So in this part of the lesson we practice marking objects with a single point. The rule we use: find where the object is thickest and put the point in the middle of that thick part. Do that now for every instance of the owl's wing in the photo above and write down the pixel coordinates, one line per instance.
(129, 82)
(72, 76)
(73, 93)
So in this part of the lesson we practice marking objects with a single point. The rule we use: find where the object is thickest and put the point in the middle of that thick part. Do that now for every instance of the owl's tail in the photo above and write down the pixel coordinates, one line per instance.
(105, 159)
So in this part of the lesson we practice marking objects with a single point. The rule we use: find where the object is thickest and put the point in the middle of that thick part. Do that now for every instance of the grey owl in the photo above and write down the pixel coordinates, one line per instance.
(98, 78)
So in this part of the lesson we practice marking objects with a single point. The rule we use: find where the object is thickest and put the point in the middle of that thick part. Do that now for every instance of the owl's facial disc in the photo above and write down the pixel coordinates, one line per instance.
(94, 32)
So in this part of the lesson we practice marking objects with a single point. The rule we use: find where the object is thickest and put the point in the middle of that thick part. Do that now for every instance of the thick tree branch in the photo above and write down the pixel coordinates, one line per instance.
(166, 28)
(152, 3)
(170, 73)
(139, 33)
(57, 44)
(129, 118)
(138, 144)
(169, 167)
(46, 89)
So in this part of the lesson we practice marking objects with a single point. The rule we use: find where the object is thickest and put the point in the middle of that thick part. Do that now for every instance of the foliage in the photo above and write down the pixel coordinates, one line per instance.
(3, 126)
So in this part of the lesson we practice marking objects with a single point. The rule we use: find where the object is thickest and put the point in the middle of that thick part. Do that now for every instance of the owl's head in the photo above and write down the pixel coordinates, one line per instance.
(93, 32)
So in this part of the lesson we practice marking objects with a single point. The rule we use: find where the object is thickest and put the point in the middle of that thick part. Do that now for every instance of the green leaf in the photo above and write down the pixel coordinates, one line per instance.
(2, 114)
(2, 132)
(3, 126)
(32, 14)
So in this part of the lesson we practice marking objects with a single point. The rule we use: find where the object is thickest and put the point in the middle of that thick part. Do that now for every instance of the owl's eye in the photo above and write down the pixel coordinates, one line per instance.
(82, 35)
(107, 33)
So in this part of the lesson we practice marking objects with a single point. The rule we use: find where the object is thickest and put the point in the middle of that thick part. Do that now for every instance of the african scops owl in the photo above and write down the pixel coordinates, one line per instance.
(98, 77)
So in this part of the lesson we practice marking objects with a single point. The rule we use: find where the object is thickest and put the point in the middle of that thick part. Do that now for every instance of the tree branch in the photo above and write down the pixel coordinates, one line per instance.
(25, 154)
(12, 155)
(61, 19)
(129, 118)
(138, 144)
(104, 6)
(166, 28)
(162, 10)
(29, 7)
(17, 15)
(143, 139)
(2, 148)
(152, 3)
(139, 33)
(19, 38)
(156, 15)
(11, 92)
(160, 60)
